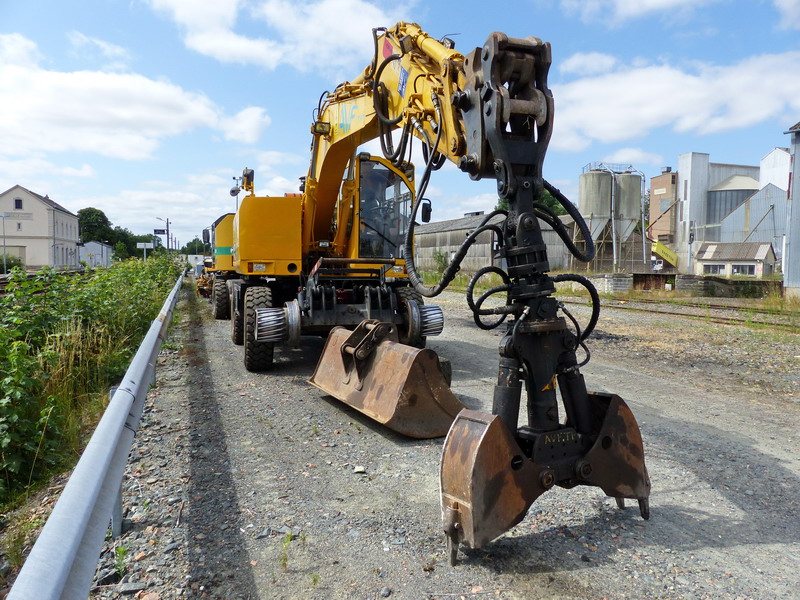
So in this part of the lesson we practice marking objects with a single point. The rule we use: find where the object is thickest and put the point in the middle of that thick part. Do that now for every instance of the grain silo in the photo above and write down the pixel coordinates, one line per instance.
(610, 199)
(627, 204)
(594, 200)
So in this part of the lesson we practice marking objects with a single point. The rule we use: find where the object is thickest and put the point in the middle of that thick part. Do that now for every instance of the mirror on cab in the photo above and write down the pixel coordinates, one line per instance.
(425, 211)
(206, 237)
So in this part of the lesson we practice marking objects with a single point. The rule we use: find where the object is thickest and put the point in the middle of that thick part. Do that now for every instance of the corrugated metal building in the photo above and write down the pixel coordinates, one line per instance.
(791, 260)
(760, 218)
(447, 236)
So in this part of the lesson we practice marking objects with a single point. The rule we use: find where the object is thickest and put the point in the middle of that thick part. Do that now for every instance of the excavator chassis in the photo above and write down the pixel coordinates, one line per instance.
(399, 386)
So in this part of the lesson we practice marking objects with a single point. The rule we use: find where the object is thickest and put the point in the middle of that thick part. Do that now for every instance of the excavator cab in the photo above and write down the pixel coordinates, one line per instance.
(384, 198)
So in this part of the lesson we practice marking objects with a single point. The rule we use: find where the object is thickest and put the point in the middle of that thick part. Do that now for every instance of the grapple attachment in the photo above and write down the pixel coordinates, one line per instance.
(398, 386)
(490, 477)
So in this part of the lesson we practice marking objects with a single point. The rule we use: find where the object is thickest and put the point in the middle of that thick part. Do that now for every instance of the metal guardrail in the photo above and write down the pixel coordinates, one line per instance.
(62, 563)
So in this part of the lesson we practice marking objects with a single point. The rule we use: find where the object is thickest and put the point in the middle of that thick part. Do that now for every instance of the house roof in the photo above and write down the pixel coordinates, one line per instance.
(46, 199)
(734, 251)
(736, 182)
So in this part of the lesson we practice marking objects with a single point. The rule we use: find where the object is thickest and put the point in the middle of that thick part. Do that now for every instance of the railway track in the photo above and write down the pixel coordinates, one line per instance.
(734, 314)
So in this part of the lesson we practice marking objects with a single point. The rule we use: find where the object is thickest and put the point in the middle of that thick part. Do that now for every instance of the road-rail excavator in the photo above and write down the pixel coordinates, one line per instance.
(491, 113)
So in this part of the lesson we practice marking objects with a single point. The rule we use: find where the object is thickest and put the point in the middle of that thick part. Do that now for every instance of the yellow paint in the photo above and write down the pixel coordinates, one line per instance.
(268, 231)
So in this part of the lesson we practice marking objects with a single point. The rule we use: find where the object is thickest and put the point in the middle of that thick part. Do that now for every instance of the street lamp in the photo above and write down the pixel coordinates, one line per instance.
(4, 216)
(167, 222)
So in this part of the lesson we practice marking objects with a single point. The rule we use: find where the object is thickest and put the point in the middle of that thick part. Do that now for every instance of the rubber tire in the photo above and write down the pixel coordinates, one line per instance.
(220, 303)
(258, 356)
(404, 294)
(237, 325)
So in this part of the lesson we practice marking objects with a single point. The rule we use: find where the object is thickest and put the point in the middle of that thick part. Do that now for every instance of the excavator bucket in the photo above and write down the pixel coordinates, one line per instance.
(488, 482)
(399, 386)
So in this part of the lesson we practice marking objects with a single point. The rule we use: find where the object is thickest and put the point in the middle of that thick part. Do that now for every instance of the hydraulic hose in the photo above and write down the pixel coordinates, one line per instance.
(592, 292)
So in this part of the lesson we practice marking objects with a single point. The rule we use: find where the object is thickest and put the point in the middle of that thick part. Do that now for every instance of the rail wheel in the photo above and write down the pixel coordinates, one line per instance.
(258, 356)
(411, 335)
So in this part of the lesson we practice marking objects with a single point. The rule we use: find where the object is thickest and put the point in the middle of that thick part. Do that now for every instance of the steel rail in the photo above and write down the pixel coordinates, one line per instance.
(63, 561)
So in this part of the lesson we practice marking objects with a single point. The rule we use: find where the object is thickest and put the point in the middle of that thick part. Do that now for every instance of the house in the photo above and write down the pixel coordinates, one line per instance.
(96, 254)
(747, 259)
(38, 231)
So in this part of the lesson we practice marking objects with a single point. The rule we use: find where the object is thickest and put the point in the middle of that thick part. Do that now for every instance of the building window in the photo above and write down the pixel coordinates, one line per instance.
(743, 269)
(714, 269)
(17, 203)
(19, 226)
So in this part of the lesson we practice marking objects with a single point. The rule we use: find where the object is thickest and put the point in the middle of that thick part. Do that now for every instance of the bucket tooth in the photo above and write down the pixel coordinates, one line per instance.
(487, 483)
(396, 385)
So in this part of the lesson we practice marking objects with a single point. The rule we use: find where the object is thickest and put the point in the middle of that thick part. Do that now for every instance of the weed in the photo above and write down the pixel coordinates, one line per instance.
(16, 537)
(283, 558)
(314, 579)
(120, 554)
(315, 430)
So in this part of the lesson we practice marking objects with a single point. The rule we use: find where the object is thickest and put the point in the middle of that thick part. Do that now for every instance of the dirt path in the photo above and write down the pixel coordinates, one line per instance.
(258, 486)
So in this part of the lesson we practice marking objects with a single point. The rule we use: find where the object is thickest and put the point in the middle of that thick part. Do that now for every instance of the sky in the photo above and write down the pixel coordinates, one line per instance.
(147, 109)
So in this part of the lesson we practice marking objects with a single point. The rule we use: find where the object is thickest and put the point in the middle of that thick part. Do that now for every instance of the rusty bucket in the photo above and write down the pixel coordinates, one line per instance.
(399, 386)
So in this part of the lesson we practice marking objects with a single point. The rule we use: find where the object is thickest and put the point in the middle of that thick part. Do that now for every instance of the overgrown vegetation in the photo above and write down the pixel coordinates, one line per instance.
(64, 340)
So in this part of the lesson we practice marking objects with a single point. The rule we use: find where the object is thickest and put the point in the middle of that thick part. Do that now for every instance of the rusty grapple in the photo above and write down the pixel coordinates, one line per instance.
(399, 386)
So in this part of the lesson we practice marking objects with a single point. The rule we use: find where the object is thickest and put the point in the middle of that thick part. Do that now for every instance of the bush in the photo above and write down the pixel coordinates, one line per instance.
(12, 262)
(64, 340)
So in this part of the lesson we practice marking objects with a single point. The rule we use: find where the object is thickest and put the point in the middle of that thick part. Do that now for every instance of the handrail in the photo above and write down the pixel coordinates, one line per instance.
(63, 561)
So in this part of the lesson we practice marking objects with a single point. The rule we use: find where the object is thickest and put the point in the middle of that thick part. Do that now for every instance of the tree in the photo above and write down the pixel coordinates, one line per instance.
(196, 246)
(121, 251)
(546, 199)
(94, 226)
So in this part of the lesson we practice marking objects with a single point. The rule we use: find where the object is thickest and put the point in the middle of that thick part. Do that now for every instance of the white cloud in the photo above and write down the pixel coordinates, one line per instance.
(330, 36)
(615, 11)
(790, 13)
(108, 50)
(633, 156)
(588, 63)
(246, 126)
(120, 115)
(632, 102)
(16, 49)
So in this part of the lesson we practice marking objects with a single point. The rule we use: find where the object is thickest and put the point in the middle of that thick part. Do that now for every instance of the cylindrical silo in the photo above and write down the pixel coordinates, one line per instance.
(594, 200)
(627, 203)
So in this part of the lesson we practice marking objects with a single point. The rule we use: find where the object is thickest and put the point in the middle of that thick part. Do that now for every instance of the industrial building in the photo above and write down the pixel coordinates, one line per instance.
(718, 202)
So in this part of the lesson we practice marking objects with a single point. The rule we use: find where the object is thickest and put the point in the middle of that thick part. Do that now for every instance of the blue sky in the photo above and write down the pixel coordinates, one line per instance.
(148, 108)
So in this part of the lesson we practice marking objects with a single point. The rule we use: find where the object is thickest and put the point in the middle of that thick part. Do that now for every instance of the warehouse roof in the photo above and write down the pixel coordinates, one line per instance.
(734, 251)
(471, 222)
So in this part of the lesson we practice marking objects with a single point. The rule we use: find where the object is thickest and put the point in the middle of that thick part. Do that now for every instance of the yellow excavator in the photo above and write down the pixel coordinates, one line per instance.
(491, 113)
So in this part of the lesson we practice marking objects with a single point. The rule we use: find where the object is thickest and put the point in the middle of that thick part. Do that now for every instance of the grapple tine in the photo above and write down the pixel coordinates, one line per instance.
(617, 458)
(399, 386)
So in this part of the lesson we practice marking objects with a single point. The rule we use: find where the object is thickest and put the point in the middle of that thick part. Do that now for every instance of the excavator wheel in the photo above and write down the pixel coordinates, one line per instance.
(219, 300)
(258, 356)
(404, 294)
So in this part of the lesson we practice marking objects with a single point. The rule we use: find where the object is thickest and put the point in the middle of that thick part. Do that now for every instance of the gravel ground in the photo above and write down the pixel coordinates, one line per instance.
(245, 485)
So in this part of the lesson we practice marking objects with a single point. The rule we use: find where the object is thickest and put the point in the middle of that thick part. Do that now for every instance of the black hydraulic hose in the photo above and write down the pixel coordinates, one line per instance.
(475, 307)
(573, 212)
(376, 86)
(592, 292)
